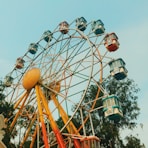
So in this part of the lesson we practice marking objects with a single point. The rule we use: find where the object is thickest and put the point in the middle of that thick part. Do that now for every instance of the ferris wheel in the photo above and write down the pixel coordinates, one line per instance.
(53, 76)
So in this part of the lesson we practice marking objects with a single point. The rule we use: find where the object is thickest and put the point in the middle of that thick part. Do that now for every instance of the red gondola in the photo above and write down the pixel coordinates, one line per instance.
(111, 42)
(90, 142)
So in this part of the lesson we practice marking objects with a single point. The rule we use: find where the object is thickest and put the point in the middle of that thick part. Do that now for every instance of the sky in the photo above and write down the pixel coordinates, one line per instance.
(23, 22)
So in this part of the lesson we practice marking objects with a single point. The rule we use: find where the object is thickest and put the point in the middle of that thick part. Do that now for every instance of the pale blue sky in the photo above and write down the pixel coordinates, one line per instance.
(23, 22)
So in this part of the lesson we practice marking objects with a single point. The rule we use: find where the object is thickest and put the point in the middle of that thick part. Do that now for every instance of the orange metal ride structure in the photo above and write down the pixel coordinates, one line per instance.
(53, 76)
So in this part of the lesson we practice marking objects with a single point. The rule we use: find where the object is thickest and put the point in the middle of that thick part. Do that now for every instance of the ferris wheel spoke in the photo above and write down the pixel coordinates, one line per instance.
(71, 128)
(18, 113)
(26, 134)
(50, 83)
(34, 137)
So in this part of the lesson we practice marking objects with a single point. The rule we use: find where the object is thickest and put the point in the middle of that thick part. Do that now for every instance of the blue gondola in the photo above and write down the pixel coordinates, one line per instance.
(112, 108)
(81, 23)
(33, 47)
(117, 69)
(64, 27)
(47, 36)
(98, 27)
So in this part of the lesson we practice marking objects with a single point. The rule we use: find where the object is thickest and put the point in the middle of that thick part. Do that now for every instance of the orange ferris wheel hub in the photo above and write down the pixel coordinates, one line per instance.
(64, 68)
(31, 78)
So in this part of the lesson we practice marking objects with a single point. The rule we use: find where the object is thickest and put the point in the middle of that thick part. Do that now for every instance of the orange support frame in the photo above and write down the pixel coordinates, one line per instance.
(71, 127)
(45, 139)
(28, 131)
(53, 124)
(25, 96)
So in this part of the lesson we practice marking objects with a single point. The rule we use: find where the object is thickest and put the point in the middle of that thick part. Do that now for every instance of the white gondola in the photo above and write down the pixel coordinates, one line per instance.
(81, 23)
(8, 80)
(98, 27)
(112, 108)
(47, 36)
(117, 69)
(33, 47)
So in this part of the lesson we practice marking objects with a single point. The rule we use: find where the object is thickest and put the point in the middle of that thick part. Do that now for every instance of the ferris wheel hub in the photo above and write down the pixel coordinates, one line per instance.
(31, 78)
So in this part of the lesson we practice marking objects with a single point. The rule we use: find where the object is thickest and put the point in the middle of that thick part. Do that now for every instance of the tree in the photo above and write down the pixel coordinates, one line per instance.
(109, 131)
(7, 110)
(126, 91)
(133, 142)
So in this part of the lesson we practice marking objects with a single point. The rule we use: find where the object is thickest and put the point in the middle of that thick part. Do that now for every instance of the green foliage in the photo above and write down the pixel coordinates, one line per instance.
(7, 110)
(106, 130)
(126, 91)
(133, 142)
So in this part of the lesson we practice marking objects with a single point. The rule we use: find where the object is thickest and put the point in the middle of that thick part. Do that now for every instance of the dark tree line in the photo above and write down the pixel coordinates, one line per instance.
(109, 131)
